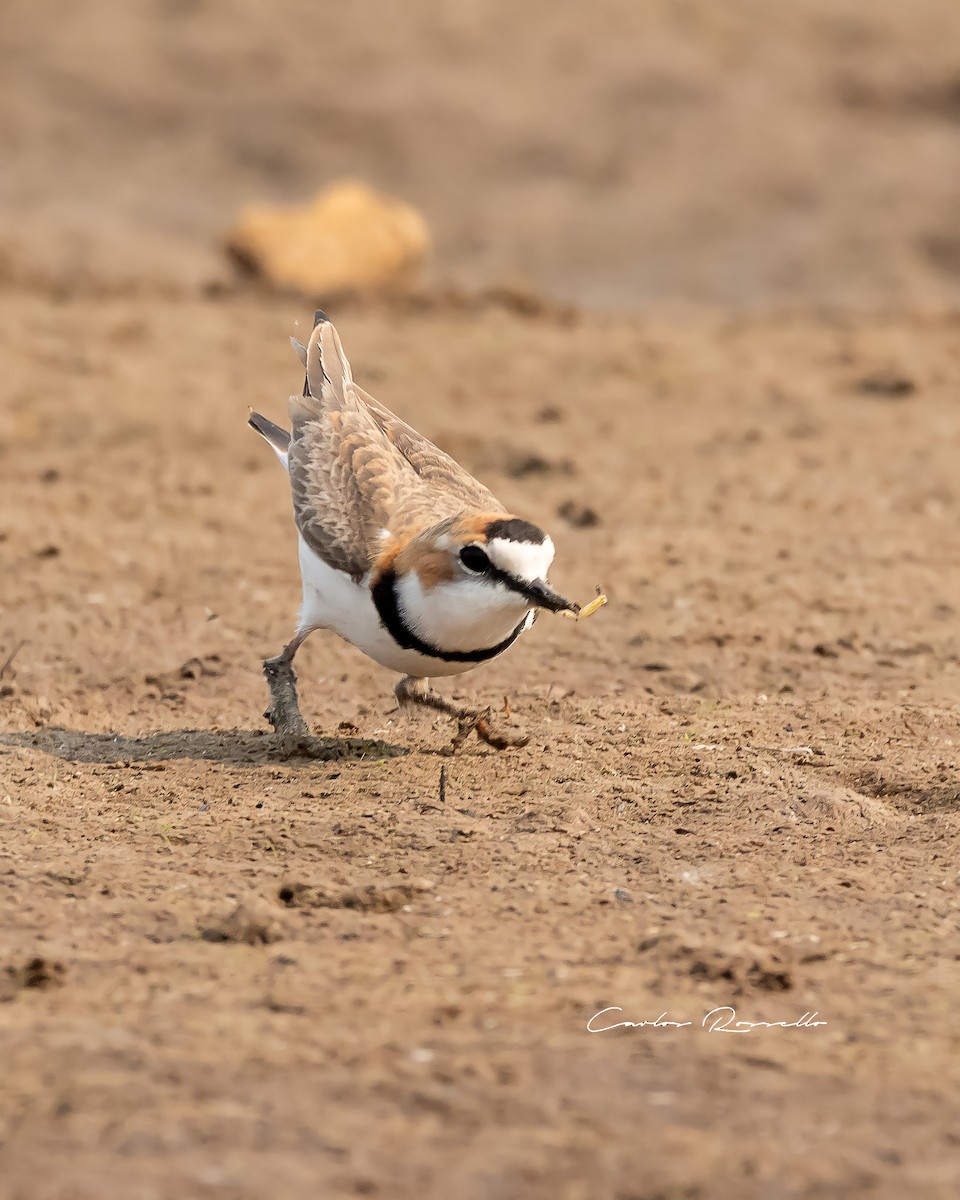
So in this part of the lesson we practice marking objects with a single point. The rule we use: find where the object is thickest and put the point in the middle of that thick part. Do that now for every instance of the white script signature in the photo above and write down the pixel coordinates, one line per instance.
(717, 1020)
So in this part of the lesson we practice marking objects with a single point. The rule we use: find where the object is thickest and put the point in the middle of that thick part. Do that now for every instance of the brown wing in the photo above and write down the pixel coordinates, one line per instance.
(437, 479)
(357, 470)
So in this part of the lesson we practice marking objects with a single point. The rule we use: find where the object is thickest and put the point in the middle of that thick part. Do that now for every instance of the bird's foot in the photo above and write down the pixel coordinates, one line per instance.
(293, 734)
(469, 720)
(499, 741)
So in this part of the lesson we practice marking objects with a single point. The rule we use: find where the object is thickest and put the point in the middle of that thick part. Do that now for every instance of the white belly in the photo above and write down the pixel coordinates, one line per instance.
(331, 600)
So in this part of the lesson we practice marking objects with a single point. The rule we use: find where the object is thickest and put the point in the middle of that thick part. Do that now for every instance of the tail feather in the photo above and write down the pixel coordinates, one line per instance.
(328, 370)
(328, 374)
(319, 317)
(276, 438)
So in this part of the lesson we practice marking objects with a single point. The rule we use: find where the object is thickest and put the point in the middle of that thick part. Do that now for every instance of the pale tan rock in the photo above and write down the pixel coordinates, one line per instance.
(348, 238)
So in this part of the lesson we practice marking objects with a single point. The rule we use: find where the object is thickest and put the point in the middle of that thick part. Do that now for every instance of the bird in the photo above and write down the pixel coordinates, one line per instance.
(402, 552)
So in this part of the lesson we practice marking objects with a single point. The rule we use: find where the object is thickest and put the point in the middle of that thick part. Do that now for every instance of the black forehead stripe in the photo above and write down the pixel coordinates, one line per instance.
(384, 594)
(515, 530)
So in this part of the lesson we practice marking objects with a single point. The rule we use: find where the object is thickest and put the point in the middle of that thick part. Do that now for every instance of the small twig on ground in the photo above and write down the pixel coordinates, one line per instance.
(8, 663)
(786, 749)
(443, 783)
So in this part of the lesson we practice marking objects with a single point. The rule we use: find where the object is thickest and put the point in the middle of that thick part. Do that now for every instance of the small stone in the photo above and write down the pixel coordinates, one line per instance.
(889, 384)
(349, 238)
(580, 516)
(36, 973)
(252, 922)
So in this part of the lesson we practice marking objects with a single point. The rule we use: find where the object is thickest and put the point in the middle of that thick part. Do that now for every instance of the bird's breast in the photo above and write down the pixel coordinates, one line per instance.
(459, 617)
(431, 640)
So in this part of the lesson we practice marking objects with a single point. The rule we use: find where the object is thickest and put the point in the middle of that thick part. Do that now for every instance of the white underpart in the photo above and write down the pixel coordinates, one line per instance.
(331, 600)
(463, 615)
(523, 560)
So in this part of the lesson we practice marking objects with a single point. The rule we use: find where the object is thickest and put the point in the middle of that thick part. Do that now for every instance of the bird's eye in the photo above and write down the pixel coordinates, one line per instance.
(474, 559)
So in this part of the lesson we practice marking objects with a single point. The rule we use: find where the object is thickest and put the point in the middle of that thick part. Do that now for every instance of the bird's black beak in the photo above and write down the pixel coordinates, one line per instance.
(542, 595)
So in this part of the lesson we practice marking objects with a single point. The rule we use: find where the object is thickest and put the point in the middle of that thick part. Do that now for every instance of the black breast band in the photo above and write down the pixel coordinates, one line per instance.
(384, 593)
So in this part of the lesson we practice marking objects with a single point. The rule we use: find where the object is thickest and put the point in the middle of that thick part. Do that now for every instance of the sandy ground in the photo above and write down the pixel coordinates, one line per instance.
(741, 788)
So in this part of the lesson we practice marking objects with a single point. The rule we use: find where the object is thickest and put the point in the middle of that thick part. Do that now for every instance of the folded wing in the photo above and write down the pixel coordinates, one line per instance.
(357, 470)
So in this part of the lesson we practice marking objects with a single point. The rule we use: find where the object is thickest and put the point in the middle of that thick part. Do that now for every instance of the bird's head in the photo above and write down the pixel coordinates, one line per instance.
(509, 556)
(467, 582)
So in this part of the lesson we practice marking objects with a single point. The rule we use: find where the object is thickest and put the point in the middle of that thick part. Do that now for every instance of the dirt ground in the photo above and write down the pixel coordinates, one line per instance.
(741, 787)
(232, 977)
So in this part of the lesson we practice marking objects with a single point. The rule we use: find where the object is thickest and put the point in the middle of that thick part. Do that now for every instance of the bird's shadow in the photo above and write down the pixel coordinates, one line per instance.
(237, 747)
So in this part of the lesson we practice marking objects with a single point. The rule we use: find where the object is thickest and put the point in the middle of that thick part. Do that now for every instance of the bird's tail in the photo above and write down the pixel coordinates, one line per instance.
(276, 438)
(328, 371)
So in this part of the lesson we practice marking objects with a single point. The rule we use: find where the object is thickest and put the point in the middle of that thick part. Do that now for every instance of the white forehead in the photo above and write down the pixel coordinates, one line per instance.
(523, 560)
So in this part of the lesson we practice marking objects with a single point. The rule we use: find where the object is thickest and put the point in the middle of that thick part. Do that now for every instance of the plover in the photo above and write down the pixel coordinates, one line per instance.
(402, 552)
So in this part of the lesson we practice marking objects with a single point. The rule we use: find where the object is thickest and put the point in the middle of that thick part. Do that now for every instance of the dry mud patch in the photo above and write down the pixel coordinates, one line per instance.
(231, 976)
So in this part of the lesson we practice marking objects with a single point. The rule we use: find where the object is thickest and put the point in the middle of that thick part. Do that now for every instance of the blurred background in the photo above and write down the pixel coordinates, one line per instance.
(622, 154)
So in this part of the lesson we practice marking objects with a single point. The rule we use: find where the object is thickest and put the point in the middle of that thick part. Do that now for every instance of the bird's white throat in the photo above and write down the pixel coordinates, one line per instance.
(464, 615)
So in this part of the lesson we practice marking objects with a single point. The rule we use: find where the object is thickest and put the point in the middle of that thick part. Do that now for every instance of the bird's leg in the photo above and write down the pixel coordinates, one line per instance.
(284, 714)
(469, 720)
